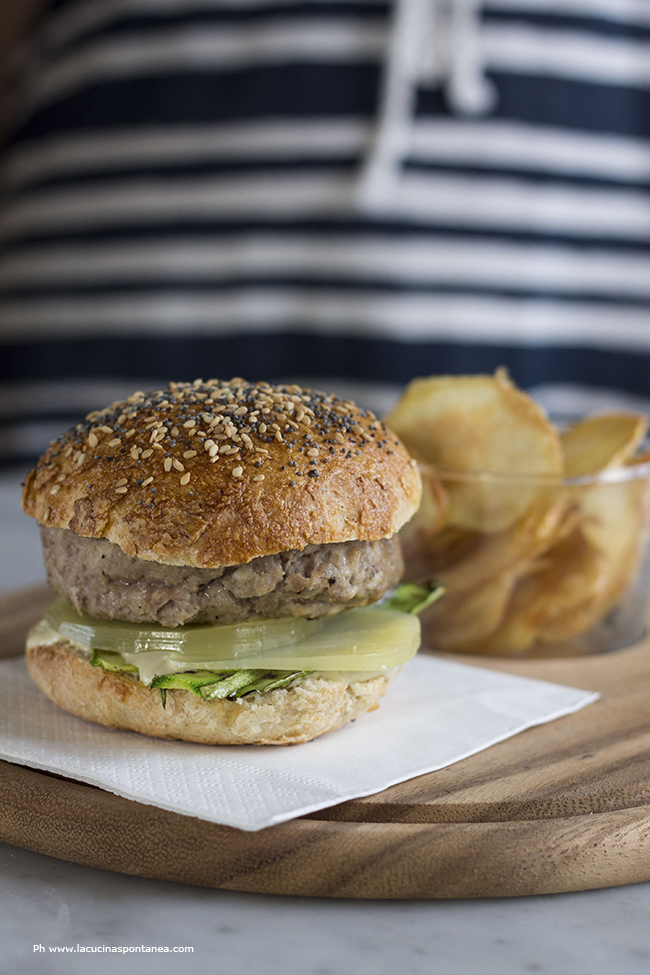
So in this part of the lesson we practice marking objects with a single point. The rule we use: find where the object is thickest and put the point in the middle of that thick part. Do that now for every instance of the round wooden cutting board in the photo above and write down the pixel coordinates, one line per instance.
(561, 807)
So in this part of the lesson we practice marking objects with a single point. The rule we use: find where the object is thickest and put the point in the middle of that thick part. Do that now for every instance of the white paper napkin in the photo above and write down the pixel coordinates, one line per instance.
(436, 713)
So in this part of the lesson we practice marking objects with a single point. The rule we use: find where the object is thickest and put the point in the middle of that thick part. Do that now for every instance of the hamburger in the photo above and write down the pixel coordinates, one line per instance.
(222, 553)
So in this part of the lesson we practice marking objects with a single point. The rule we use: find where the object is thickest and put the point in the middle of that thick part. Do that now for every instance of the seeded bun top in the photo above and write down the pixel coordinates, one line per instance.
(217, 473)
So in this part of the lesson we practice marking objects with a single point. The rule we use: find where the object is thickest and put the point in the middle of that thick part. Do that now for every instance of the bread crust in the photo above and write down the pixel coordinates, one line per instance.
(199, 474)
(288, 716)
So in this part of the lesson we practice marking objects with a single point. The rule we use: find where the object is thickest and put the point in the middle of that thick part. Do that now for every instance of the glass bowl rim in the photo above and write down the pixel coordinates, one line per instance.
(610, 475)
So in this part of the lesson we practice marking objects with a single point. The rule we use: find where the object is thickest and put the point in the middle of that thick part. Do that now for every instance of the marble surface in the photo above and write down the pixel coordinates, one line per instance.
(50, 903)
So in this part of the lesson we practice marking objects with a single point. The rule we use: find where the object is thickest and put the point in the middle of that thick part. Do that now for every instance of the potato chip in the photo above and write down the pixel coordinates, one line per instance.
(569, 591)
(426, 554)
(616, 524)
(424, 529)
(637, 459)
(553, 601)
(462, 559)
(480, 425)
(431, 516)
(462, 618)
(598, 442)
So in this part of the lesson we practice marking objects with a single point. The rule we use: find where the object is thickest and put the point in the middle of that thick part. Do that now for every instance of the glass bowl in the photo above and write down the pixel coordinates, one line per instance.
(533, 566)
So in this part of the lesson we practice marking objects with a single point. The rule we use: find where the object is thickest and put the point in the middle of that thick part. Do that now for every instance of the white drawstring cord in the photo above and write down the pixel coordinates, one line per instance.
(396, 103)
(468, 91)
(431, 43)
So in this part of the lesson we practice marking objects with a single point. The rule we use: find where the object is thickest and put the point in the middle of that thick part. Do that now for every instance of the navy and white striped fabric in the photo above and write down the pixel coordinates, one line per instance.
(185, 196)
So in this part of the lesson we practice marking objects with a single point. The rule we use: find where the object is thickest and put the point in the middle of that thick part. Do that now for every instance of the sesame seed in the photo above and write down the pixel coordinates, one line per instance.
(92, 440)
(121, 490)
(189, 423)
(237, 471)
(55, 489)
(189, 453)
(312, 452)
(122, 481)
(147, 480)
(339, 437)
(147, 453)
(135, 452)
(258, 477)
(263, 428)
(356, 428)
(115, 442)
(178, 466)
(213, 450)
(106, 429)
(167, 464)
(175, 431)
(130, 433)
(185, 479)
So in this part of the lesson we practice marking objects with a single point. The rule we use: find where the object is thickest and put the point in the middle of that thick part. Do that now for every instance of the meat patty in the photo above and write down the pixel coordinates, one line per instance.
(98, 578)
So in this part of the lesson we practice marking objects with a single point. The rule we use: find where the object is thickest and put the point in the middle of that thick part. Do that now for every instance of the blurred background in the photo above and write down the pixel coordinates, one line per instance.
(347, 193)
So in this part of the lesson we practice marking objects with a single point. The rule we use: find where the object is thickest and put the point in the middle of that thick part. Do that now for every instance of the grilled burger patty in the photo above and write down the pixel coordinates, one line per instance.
(97, 577)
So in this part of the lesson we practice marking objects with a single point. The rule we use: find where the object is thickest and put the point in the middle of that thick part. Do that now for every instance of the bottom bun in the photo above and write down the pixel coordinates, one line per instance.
(312, 707)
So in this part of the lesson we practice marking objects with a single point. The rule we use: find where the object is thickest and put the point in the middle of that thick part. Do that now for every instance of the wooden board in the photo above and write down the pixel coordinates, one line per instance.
(561, 807)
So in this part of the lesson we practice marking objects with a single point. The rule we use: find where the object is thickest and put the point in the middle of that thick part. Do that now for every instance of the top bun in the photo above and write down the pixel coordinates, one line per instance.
(218, 473)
